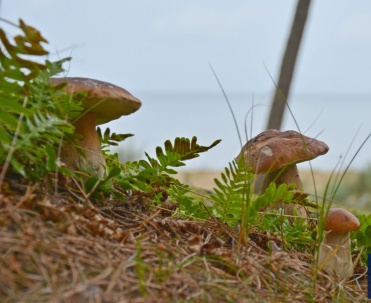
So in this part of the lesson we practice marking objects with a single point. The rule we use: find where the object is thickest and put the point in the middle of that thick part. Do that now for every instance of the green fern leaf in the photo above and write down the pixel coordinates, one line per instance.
(231, 193)
(183, 149)
(108, 139)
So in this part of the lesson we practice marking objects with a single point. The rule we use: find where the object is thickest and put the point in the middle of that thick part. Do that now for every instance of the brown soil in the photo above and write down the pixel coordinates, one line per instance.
(65, 247)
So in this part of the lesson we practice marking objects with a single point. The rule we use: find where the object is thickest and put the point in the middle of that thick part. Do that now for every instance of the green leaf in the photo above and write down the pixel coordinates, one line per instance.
(114, 172)
(4, 138)
(8, 120)
(51, 163)
(230, 195)
(91, 183)
(9, 104)
(367, 236)
(108, 139)
(361, 239)
(185, 148)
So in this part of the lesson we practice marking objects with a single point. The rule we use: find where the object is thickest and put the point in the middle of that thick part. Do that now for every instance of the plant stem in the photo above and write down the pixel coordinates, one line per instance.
(12, 146)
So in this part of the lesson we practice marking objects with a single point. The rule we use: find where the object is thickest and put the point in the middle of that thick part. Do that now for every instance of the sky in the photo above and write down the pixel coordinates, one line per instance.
(161, 51)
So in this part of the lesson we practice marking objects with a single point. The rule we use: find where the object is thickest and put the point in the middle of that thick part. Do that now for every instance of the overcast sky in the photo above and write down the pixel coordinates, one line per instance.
(166, 46)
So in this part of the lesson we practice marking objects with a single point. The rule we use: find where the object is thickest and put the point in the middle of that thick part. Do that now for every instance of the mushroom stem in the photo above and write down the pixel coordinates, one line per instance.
(335, 254)
(89, 143)
(288, 175)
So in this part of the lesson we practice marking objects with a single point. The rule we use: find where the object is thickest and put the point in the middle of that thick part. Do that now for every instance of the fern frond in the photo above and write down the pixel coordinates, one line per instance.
(234, 202)
(185, 149)
(107, 139)
(31, 130)
(174, 155)
(231, 195)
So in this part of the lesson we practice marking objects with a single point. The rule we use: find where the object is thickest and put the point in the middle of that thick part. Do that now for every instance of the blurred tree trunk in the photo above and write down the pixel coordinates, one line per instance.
(288, 65)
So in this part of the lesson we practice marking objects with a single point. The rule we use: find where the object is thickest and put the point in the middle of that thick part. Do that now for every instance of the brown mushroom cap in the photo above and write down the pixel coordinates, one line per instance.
(272, 150)
(107, 100)
(341, 220)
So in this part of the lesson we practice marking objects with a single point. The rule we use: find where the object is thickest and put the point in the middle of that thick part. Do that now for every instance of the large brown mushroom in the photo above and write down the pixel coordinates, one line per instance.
(334, 254)
(276, 154)
(104, 102)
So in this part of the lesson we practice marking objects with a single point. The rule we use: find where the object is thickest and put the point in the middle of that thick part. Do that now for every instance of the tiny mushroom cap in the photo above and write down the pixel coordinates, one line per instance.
(107, 100)
(272, 150)
(341, 220)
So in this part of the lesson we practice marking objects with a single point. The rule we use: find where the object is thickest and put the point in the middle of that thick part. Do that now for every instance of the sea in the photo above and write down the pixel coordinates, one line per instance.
(343, 122)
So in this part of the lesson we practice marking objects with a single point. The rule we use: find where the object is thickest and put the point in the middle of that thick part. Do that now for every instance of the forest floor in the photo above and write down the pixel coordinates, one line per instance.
(61, 246)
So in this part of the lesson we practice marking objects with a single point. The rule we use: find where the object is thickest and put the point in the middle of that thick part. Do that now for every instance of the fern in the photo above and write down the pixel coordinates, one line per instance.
(174, 155)
(231, 196)
(183, 149)
(146, 175)
(294, 233)
(272, 195)
(33, 114)
(235, 203)
(107, 139)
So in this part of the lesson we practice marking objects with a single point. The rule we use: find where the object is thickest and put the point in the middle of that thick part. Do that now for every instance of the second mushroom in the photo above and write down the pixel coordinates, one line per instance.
(275, 154)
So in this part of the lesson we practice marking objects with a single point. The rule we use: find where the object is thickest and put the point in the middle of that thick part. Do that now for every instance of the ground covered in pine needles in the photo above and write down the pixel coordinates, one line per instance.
(64, 247)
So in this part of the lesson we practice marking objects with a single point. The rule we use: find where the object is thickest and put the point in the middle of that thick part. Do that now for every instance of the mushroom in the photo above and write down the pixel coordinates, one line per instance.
(104, 102)
(276, 154)
(335, 250)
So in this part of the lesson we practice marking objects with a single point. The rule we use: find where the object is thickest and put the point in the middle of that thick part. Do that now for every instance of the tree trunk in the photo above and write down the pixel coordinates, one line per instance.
(288, 65)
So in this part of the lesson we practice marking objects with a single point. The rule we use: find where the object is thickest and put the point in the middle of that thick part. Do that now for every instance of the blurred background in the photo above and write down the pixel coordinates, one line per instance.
(162, 52)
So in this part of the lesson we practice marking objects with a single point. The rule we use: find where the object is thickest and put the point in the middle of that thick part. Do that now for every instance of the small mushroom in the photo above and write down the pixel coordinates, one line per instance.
(276, 154)
(335, 250)
(104, 102)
